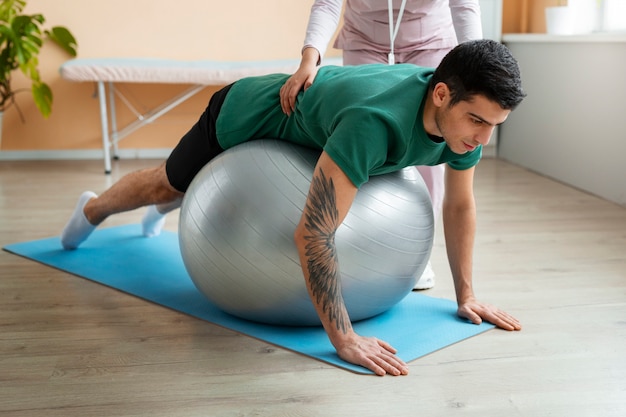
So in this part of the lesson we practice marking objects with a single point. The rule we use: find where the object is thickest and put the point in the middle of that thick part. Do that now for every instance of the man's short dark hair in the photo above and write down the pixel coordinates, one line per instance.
(481, 67)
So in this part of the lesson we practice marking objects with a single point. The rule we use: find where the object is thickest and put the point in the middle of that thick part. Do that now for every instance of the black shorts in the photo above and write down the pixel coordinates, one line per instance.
(197, 147)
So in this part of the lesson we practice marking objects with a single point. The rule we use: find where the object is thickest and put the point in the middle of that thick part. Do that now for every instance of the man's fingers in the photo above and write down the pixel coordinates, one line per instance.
(493, 315)
(471, 315)
(376, 355)
(387, 346)
(388, 360)
(506, 321)
(386, 364)
(392, 364)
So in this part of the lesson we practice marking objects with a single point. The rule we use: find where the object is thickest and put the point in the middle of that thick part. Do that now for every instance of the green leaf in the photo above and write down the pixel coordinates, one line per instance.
(21, 38)
(29, 68)
(62, 37)
(42, 94)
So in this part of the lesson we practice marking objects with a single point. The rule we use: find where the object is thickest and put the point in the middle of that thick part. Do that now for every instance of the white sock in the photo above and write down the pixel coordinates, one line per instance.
(78, 227)
(152, 222)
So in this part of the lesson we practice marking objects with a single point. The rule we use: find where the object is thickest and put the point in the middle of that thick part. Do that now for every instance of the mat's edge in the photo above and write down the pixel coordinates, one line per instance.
(348, 366)
(355, 369)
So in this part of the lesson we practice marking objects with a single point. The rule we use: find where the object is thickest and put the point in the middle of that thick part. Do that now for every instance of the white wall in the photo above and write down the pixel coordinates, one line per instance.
(491, 18)
(572, 125)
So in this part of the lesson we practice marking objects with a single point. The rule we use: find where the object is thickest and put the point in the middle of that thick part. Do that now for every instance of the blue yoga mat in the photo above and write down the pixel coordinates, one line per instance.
(152, 269)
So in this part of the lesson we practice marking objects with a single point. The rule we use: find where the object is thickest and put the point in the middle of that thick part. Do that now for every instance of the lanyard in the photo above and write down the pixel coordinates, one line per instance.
(393, 29)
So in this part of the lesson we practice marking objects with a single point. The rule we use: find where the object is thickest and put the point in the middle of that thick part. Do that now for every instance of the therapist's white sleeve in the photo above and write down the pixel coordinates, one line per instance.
(323, 23)
(466, 19)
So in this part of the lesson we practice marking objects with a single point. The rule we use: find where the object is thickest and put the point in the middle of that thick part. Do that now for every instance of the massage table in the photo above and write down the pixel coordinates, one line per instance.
(106, 72)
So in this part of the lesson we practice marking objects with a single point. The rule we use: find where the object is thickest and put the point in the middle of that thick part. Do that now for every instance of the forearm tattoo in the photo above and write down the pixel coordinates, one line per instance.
(321, 225)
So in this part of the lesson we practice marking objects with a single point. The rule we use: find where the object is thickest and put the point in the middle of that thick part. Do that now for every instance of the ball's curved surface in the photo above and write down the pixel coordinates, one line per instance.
(236, 231)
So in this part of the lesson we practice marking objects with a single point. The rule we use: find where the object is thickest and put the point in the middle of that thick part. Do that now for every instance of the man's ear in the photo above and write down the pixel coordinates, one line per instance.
(441, 94)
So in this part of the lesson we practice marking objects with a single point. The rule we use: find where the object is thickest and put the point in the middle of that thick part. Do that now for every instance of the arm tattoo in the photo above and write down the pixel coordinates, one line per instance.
(321, 225)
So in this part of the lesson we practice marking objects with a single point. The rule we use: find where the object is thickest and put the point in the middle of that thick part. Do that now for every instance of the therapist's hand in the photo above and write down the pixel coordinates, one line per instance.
(301, 80)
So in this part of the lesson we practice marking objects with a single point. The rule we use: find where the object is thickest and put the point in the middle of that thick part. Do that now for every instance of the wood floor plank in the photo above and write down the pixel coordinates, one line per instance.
(551, 255)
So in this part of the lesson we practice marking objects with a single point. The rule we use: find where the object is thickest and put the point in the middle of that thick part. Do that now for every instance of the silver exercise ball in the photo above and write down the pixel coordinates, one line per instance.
(236, 231)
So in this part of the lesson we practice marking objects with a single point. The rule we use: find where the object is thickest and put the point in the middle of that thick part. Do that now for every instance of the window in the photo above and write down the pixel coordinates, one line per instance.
(612, 16)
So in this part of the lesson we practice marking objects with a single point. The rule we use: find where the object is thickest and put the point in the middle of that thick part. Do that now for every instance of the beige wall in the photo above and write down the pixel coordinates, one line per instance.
(184, 29)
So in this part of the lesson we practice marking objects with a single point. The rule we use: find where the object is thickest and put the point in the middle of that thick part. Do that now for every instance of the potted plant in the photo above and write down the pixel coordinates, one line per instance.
(21, 37)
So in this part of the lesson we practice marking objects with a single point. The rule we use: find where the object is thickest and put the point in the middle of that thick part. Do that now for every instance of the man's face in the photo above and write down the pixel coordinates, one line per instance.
(468, 124)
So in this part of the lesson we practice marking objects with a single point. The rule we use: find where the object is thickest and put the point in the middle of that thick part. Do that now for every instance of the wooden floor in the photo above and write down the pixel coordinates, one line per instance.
(551, 255)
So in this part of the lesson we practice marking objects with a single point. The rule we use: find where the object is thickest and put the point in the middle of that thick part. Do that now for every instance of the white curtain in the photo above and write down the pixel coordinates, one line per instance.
(612, 16)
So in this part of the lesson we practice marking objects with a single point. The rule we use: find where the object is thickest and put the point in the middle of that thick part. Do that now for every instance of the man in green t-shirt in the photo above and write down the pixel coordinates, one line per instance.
(366, 120)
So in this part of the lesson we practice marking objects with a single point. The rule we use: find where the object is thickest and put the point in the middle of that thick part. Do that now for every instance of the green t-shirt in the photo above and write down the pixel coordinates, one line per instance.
(368, 118)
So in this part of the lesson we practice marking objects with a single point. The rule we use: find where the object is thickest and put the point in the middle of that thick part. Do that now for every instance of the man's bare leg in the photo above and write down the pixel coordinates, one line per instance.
(137, 189)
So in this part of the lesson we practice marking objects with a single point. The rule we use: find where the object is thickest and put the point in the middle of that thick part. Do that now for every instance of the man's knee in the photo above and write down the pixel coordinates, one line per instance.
(163, 187)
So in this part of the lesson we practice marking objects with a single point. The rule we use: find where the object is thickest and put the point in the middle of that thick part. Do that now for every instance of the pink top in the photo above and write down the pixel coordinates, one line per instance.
(425, 24)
